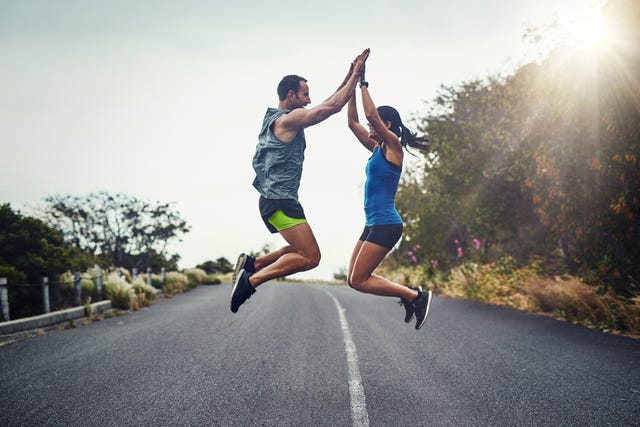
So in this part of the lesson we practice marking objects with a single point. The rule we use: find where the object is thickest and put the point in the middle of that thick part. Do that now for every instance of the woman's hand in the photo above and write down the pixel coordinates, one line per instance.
(358, 66)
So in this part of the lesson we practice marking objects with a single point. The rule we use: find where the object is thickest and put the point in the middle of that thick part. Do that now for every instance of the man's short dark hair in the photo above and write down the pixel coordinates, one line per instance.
(290, 82)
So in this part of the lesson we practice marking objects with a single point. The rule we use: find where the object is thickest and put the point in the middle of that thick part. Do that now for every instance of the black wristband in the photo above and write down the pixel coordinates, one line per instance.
(365, 84)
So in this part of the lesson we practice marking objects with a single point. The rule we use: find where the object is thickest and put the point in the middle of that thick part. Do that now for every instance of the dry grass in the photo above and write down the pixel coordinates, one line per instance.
(225, 277)
(411, 276)
(529, 289)
(195, 276)
(575, 301)
(118, 290)
(176, 283)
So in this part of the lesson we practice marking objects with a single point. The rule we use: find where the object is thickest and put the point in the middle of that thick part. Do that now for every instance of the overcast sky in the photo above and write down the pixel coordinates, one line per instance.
(163, 100)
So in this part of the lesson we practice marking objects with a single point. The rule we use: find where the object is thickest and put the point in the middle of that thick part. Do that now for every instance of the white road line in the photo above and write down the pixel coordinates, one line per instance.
(359, 414)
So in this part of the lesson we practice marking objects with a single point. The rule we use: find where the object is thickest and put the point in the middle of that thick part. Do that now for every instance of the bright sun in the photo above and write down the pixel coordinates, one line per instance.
(588, 30)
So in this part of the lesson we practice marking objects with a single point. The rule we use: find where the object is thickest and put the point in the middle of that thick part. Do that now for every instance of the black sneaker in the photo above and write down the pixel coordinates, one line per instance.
(408, 307)
(421, 307)
(244, 262)
(241, 291)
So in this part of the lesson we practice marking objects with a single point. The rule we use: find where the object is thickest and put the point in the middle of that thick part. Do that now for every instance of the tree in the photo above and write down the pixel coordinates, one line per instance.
(341, 275)
(471, 194)
(587, 185)
(124, 230)
(549, 154)
(30, 249)
(221, 265)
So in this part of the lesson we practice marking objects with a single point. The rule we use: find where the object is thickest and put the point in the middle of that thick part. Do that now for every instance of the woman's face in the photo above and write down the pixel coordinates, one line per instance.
(372, 132)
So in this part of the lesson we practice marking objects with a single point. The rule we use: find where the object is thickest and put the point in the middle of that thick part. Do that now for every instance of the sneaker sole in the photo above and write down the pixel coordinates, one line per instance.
(242, 259)
(233, 290)
(426, 313)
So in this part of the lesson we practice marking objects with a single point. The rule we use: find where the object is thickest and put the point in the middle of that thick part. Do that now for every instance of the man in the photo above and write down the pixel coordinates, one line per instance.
(278, 166)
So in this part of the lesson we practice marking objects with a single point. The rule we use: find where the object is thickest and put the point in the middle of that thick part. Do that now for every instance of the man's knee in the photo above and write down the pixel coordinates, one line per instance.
(313, 259)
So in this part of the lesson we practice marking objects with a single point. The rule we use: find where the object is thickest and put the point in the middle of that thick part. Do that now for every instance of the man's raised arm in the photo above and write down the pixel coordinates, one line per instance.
(303, 118)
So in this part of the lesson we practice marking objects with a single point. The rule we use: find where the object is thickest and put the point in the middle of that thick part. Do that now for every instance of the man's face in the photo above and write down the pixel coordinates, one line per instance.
(301, 99)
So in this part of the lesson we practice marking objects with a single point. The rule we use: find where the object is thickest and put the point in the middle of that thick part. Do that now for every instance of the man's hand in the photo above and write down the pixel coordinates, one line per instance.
(287, 125)
(358, 64)
(352, 72)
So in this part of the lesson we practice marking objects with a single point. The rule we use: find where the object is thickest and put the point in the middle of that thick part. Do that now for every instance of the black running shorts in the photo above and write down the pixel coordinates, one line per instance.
(268, 207)
(385, 235)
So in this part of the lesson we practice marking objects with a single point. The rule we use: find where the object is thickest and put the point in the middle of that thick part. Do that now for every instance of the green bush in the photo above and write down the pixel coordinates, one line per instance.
(212, 279)
(13, 276)
(30, 249)
(156, 281)
(66, 283)
(87, 286)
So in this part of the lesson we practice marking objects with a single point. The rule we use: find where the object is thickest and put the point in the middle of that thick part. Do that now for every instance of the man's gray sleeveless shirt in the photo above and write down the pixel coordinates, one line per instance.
(278, 164)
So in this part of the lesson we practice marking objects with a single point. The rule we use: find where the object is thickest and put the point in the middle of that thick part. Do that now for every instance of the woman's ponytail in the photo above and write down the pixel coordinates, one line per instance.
(390, 114)
(412, 140)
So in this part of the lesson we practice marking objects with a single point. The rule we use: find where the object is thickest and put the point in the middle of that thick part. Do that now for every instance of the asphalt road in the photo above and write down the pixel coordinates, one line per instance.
(311, 355)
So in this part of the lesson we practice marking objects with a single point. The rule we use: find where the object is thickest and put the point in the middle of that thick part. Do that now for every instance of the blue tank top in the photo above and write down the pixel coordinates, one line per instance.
(380, 190)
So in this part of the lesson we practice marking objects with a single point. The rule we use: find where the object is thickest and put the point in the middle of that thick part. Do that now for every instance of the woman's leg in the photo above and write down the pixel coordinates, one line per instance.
(365, 259)
(352, 261)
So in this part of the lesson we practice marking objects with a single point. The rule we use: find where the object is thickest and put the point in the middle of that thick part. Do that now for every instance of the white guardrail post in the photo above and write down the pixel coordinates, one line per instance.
(77, 290)
(4, 298)
(45, 295)
(99, 282)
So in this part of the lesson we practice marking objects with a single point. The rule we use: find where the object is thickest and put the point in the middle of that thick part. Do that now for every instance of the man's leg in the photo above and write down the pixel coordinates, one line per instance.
(251, 264)
(268, 259)
(301, 254)
(304, 254)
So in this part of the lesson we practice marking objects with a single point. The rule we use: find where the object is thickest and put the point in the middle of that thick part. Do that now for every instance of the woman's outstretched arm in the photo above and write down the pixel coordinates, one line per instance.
(389, 138)
(354, 124)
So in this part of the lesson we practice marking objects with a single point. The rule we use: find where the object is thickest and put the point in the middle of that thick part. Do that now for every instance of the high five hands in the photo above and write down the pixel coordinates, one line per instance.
(359, 63)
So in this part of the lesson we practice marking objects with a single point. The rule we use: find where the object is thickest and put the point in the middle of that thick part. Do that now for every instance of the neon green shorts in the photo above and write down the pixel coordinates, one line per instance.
(280, 221)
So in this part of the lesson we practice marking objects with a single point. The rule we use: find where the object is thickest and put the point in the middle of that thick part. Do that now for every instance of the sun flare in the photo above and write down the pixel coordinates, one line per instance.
(588, 30)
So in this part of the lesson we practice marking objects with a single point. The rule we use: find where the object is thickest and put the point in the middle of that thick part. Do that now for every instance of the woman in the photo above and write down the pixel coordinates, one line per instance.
(386, 138)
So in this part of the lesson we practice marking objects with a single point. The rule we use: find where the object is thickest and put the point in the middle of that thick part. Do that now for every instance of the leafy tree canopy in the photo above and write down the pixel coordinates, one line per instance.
(221, 265)
(124, 230)
(30, 249)
(546, 155)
